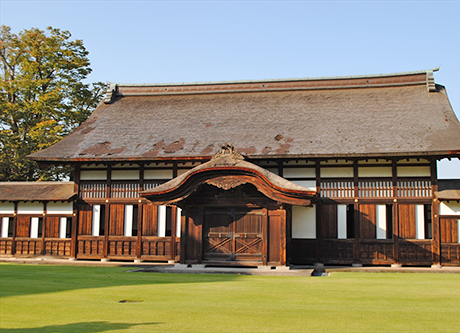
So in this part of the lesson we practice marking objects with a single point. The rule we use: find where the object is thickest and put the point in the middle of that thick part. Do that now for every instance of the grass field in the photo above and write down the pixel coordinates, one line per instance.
(41, 298)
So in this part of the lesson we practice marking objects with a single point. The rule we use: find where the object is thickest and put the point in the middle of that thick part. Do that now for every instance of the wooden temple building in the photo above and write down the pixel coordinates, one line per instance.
(337, 170)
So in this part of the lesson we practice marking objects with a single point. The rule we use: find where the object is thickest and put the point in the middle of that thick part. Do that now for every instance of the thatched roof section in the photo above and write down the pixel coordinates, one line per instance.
(37, 191)
(394, 115)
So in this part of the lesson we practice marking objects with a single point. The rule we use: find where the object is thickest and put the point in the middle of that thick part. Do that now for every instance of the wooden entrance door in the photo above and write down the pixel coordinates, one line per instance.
(233, 234)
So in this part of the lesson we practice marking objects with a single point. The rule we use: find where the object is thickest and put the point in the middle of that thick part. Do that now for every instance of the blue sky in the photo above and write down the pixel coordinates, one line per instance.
(186, 41)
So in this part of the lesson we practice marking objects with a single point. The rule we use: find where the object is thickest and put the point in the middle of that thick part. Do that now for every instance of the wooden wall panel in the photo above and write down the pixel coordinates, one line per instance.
(149, 220)
(85, 215)
(367, 221)
(52, 227)
(407, 221)
(328, 217)
(117, 217)
(23, 226)
(193, 243)
(449, 230)
(274, 236)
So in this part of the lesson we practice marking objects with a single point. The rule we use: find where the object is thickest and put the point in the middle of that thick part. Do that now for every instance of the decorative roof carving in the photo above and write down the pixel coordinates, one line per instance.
(225, 183)
(228, 150)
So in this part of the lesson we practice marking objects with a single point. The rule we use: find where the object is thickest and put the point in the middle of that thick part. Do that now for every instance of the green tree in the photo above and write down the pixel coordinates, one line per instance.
(42, 97)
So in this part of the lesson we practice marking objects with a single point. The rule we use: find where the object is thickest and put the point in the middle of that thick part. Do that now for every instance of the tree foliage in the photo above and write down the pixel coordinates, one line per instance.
(42, 97)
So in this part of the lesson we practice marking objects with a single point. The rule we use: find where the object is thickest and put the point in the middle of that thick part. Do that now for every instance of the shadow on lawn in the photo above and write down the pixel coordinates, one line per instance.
(87, 327)
(17, 280)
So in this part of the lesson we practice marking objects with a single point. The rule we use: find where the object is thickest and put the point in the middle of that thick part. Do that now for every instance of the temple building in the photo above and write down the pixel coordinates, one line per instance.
(338, 170)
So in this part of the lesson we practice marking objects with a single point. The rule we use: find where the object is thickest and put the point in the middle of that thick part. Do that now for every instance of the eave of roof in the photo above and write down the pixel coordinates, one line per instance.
(37, 191)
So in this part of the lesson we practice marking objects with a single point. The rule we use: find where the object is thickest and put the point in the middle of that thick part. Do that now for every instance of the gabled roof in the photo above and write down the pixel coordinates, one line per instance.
(37, 191)
(403, 114)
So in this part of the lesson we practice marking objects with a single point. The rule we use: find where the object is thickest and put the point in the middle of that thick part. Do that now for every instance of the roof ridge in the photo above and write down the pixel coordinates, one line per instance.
(322, 78)
(425, 77)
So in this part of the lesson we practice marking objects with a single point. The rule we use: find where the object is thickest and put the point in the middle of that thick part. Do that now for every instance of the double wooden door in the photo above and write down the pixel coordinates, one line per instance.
(233, 234)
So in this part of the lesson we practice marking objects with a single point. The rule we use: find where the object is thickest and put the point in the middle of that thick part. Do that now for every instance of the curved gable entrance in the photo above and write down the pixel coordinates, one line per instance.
(233, 211)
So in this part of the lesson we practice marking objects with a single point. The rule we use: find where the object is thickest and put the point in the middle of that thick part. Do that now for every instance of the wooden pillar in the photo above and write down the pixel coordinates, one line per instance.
(107, 212)
(15, 220)
(173, 232)
(394, 173)
(140, 217)
(183, 235)
(436, 227)
(73, 234)
(396, 254)
(45, 218)
(283, 236)
(140, 212)
(356, 216)
(280, 168)
(265, 228)
(357, 222)
(174, 169)
(288, 234)
(318, 242)
(200, 231)
(436, 240)
(75, 221)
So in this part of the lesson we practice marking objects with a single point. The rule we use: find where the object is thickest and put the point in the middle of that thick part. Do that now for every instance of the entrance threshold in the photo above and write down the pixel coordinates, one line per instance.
(205, 269)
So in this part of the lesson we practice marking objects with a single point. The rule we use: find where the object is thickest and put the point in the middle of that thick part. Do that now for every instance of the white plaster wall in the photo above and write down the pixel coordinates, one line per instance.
(304, 222)
(93, 174)
(128, 223)
(179, 214)
(158, 174)
(413, 171)
(419, 222)
(30, 208)
(161, 221)
(336, 172)
(62, 227)
(5, 225)
(309, 184)
(96, 219)
(458, 231)
(375, 172)
(299, 172)
(342, 221)
(125, 174)
(59, 208)
(449, 208)
(381, 222)
(34, 227)
(6, 208)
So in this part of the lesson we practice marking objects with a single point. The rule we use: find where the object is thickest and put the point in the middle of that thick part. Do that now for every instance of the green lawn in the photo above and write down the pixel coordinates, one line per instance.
(42, 298)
